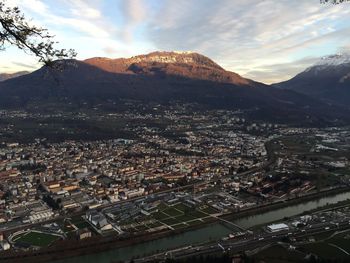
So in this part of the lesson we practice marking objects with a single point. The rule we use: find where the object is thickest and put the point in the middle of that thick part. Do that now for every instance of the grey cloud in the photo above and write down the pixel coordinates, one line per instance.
(272, 73)
(24, 65)
(244, 35)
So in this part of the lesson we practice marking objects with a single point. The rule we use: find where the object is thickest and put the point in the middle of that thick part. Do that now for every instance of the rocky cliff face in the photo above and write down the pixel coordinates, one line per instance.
(173, 57)
(176, 58)
(184, 64)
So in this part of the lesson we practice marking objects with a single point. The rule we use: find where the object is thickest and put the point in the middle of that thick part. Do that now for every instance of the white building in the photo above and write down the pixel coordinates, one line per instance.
(98, 220)
(4, 245)
(277, 227)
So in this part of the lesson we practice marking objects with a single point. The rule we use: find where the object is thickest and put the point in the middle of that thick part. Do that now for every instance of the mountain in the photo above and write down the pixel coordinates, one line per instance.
(327, 80)
(161, 77)
(185, 64)
(6, 76)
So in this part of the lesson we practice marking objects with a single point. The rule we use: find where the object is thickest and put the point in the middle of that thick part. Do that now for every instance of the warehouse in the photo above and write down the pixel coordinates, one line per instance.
(277, 227)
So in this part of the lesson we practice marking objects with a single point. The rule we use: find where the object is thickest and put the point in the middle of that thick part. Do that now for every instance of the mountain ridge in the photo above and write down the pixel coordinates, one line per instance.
(188, 64)
(83, 83)
(6, 76)
(168, 57)
(327, 80)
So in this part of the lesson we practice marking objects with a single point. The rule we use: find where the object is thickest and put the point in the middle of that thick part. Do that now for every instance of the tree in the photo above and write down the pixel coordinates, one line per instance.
(15, 30)
(334, 2)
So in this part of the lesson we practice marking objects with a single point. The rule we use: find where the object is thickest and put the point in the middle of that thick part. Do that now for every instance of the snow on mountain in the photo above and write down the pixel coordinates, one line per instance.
(334, 60)
(328, 80)
(329, 61)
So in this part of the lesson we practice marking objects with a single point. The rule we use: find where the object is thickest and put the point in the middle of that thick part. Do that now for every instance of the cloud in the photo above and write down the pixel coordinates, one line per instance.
(254, 38)
(271, 73)
(134, 11)
(245, 36)
(77, 15)
(344, 49)
(84, 26)
(24, 65)
(134, 14)
(35, 6)
(110, 50)
(84, 9)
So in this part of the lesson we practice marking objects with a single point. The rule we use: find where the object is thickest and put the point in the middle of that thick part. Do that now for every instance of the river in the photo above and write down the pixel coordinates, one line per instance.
(214, 231)
(289, 211)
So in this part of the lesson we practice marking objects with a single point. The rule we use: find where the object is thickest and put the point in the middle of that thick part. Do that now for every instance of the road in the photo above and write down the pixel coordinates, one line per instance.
(249, 242)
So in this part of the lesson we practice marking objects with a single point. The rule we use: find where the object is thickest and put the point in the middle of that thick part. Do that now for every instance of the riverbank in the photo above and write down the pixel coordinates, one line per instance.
(69, 249)
(283, 203)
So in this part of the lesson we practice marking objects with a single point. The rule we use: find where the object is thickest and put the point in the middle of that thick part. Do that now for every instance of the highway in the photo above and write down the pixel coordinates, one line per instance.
(248, 242)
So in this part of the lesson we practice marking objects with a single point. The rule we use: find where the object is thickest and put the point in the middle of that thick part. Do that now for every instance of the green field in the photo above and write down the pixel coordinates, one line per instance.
(172, 212)
(336, 247)
(329, 247)
(173, 216)
(208, 210)
(179, 215)
(303, 148)
(278, 254)
(37, 239)
(324, 250)
(79, 222)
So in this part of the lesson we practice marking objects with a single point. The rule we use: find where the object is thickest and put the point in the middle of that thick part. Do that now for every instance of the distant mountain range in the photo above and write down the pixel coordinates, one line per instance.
(328, 80)
(163, 77)
(6, 76)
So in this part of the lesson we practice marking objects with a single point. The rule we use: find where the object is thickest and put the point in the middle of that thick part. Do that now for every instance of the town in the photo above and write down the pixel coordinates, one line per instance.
(174, 169)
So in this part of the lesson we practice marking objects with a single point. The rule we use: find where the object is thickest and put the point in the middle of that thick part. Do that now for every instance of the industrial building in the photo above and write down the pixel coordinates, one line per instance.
(277, 227)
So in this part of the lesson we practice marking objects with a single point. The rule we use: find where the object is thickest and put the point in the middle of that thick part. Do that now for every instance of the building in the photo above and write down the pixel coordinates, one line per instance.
(277, 227)
(98, 220)
(83, 233)
(4, 245)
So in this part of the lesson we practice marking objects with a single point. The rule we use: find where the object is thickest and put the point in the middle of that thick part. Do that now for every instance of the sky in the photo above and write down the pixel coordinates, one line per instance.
(265, 40)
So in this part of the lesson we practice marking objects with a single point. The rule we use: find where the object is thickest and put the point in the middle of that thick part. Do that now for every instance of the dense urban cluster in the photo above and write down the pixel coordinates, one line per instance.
(173, 169)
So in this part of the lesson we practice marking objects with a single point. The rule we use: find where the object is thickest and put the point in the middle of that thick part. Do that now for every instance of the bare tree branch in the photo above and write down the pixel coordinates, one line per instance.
(15, 30)
(334, 2)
